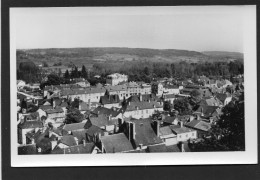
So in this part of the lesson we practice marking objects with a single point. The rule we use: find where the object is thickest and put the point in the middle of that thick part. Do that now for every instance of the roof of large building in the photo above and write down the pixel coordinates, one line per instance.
(109, 99)
(88, 90)
(145, 135)
(68, 140)
(132, 106)
(207, 110)
(144, 97)
(199, 124)
(94, 130)
(116, 88)
(114, 112)
(101, 120)
(116, 143)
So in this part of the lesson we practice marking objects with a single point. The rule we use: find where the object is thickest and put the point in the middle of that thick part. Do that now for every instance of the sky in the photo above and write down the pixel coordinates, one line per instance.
(201, 28)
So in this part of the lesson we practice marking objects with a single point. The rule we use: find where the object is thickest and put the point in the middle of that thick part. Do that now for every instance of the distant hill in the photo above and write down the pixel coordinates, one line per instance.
(224, 54)
(89, 56)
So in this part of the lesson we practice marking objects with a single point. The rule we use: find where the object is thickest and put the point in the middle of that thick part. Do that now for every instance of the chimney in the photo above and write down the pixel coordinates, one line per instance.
(77, 141)
(53, 144)
(140, 97)
(109, 117)
(53, 103)
(33, 141)
(181, 124)
(84, 142)
(140, 146)
(157, 128)
(182, 147)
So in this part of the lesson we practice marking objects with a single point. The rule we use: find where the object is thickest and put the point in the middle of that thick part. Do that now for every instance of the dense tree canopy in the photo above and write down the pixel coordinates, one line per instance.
(228, 134)
(74, 116)
(183, 106)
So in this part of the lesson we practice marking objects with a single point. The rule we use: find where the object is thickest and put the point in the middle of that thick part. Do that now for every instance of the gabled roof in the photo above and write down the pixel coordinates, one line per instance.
(94, 130)
(169, 119)
(116, 143)
(199, 124)
(221, 96)
(142, 105)
(105, 111)
(81, 135)
(180, 130)
(68, 140)
(74, 126)
(102, 120)
(166, 130)
(207, 110)
(78, 149)
(109, 99)
(145, 135)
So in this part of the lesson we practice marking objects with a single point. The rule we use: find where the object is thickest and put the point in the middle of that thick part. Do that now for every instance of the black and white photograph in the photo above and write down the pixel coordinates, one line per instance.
(97, 86)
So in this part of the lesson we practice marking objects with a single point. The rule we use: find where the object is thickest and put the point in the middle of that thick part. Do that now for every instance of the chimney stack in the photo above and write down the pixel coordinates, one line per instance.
(77, 141)
(140, 97)
(182, 147)
(181, 124)
(84, 142)
(157, 128)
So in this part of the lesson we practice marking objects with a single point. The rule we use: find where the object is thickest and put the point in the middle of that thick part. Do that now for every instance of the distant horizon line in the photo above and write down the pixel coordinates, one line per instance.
(128, 48)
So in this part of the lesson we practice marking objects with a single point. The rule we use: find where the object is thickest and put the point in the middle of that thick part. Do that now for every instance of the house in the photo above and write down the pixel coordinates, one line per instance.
(207, 112)
(141, 133)
(157, 88)
(67, 141)
(169, 97)
(27, 126)
(105, 122)
(143, 97)
(110, 101)
(81, 82)
(167, 135)
(183, 133)
(114, 113)
(57, 113)
(70, 128)
(171, 89)
(89, 94)
(116, 78)
(210, 101)
(120, 90)
(115, 143)
(93, 134)
(85, 148)
(142, 109)
(225, 98)
(200, 126)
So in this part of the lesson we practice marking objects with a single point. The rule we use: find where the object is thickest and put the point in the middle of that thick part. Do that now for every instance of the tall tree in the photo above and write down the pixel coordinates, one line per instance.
(67, 75)
(84, 73)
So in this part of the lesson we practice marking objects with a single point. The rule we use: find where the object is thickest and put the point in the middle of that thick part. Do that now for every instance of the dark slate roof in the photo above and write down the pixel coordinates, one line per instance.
(116, 143)
(142, 105)
(27, 149)
(102, 120)
(207, 110)
(109, 99)
(181, 130)
(221, 96)
(169, 96)
(30, 124)
(88, 90)
(78, 149)
(145, 97)
(166, 130)
(81, 135)
(105, 111)
(93, 130)
(199, 125)
(145, 135)
(68, 140)
(169, 119)
(157, 148)
(74, 126)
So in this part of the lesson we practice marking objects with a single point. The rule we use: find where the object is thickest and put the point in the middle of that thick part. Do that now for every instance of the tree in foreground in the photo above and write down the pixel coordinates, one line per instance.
(228, 134)
(183, 106)
(74, 116)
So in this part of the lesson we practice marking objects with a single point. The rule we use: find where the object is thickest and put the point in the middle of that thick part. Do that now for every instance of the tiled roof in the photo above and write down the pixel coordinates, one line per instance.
(166, 130)
(181, 130)
(207, 110)
(78, 149)
(116, 143)
(144, 133)
(142, 105)
(116, 88)
(169, 119)
(74, 126)
(68, 140)
(88, 90)
(105, 111)
(199, 124)
(81, 135)
(102, 120)
(93, 130)
(157, 148)
(109, 99)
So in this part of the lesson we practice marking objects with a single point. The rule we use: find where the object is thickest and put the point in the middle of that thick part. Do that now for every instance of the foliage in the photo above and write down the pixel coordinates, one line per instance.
(229, 132)
(195, 97)
(67, 75)
(74, 116)
(84, 73)
(183, 106)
